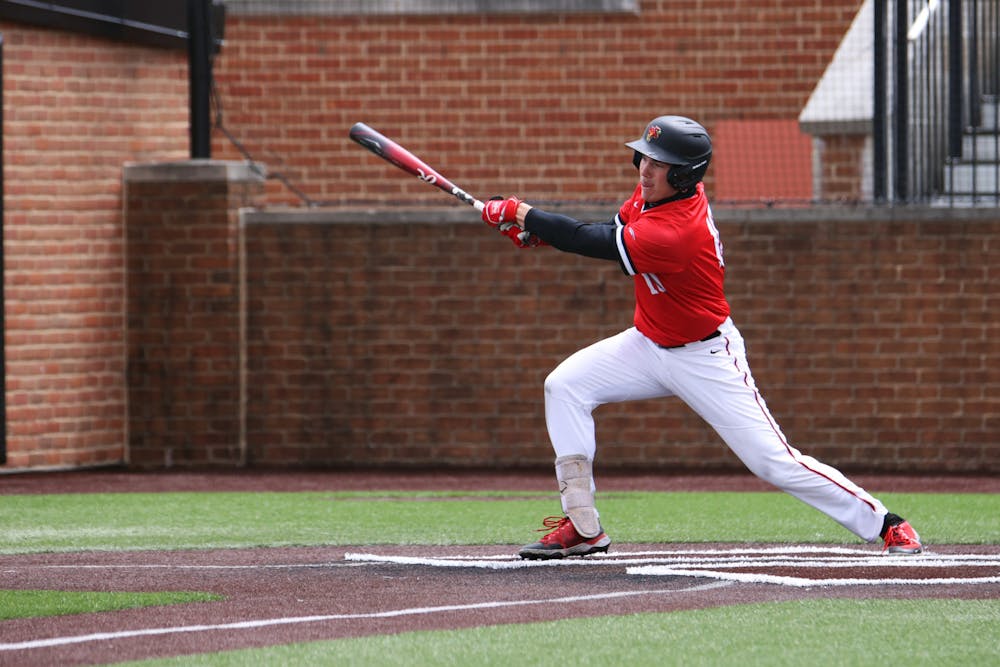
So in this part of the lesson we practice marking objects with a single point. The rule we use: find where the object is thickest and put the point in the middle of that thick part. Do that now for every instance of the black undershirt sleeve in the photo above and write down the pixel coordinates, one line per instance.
(569, 235)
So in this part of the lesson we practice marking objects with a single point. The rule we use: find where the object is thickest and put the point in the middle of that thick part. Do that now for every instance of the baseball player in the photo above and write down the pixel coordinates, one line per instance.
(683, 343)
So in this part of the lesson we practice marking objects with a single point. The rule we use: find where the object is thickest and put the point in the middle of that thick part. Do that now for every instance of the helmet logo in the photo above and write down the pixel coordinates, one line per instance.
(653, 133)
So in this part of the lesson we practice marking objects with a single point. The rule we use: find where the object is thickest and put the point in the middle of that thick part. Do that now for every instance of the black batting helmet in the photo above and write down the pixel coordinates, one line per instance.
(677, 141)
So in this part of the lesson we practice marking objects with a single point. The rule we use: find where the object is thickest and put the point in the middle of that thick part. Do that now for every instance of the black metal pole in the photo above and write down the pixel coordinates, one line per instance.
(200, 76)
(879, 144)
(975, 103)
(902, 119)
(955, 79)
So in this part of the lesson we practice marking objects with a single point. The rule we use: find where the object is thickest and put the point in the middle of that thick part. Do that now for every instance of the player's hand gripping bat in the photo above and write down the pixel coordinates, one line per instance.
(389, 150)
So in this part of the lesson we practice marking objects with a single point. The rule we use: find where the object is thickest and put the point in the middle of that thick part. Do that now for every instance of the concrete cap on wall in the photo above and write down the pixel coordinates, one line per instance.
(194, 170)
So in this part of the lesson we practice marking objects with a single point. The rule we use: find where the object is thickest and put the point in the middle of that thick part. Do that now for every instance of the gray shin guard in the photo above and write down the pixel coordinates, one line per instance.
(576, 487)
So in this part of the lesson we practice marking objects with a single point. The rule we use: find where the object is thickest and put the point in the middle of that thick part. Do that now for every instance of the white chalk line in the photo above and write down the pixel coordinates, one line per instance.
(938, 561)
(647, 562)
(270, 622)
(707, 563)
(172, 566)
(617, 558)
(782, 550)
(651, 556)
(800, 582)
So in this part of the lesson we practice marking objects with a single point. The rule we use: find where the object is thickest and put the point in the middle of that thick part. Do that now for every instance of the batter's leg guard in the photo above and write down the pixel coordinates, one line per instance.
(576, 489)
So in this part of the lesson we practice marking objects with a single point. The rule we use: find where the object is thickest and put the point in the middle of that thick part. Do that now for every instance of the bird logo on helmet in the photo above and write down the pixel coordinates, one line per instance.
(679, 142)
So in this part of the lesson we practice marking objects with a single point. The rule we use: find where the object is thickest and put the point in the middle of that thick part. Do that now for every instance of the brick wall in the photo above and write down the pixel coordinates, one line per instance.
(537, 105)
(185, 333)
(843, 167)
(75, 109)
(546, 122)
(426, 341)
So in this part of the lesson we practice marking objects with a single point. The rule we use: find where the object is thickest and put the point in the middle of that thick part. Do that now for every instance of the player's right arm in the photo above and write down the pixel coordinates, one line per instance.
(599, 240)
(519, 220)
(570, 235)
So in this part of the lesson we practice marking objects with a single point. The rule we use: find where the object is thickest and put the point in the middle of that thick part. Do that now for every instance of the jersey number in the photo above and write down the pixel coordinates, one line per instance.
(653, 281)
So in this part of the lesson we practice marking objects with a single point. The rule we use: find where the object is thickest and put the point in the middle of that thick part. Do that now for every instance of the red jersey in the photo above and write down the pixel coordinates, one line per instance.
(675, 255)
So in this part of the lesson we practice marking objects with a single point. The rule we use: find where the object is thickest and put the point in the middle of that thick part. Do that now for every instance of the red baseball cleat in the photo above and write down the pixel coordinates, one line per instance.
(902, 539)
(564, 541)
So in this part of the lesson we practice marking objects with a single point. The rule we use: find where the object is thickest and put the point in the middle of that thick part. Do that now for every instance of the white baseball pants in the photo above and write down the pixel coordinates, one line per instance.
(714, 379)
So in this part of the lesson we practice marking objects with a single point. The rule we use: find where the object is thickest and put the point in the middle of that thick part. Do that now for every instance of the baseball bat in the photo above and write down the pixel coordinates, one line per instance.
(390, 151)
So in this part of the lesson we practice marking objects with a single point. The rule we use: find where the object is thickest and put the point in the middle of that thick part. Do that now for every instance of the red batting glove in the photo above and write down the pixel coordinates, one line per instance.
(501, 213)
(521, 238)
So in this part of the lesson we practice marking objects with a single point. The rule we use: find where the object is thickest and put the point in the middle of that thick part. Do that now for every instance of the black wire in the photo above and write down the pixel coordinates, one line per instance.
(276, 175)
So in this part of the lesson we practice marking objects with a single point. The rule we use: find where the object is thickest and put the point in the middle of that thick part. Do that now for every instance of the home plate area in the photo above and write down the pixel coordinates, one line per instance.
(796, 566)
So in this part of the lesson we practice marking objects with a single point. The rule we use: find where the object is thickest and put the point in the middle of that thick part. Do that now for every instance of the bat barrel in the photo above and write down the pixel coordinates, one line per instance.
(392, 152)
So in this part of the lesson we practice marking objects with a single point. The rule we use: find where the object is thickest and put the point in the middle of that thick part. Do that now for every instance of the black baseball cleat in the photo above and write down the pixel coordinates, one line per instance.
(564, 541)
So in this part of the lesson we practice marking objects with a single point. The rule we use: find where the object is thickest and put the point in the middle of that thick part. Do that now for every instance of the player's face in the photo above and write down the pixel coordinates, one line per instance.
(653, 179)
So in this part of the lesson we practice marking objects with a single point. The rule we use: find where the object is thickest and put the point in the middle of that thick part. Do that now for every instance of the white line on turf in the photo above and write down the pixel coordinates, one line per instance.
(925, 561)
(801, 582)
(797, 556)
(173, 566)
(714, 563)
(269, 622)
(617, 554)
(833, 563)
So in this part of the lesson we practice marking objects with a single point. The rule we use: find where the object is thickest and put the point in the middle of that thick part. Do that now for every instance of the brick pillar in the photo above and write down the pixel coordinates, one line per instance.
(184, 331)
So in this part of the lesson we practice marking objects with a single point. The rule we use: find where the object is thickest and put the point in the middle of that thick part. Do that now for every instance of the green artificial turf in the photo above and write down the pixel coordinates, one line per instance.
(840, 632)
(129, 521)
(34, 603)
(809, 632)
